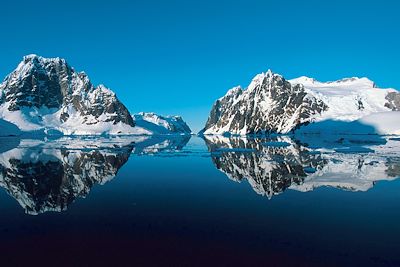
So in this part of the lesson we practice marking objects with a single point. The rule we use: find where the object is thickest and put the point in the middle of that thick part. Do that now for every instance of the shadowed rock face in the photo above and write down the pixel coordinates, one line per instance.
(51, 83)
(269, 104)
(43, 179)
(273, 165)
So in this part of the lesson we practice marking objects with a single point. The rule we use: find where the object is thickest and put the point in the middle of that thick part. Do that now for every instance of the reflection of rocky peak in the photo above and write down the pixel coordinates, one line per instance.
(270, 166)
(273, 165)
(49, 179)
(48, 93)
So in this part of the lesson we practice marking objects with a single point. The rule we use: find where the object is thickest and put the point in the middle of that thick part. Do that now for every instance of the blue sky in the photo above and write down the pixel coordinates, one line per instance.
(177, 57)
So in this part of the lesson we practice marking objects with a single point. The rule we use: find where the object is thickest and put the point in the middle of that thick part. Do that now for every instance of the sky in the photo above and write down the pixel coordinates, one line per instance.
(177, 57)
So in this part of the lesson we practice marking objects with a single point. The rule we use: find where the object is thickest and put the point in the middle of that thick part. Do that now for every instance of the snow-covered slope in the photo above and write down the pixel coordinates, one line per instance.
(47, 95)
(272, 104)
(350, 99)
(383, 122)
(157, 124)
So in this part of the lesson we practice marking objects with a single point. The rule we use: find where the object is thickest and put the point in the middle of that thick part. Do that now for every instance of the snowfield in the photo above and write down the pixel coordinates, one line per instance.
(348, 99)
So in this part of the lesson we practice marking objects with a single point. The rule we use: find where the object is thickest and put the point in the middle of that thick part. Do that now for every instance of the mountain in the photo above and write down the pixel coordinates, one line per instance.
(48, 95)
(273, 104)
(157, 124)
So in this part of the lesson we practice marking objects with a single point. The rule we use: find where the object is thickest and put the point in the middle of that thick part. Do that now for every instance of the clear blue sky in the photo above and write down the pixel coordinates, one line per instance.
(177, 57)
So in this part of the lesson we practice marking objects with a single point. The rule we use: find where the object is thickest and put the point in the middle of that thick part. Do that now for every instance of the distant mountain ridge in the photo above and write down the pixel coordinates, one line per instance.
(272, 104)
(157, 124)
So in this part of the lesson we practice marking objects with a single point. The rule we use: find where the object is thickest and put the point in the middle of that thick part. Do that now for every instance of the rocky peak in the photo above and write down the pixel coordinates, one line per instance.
(269, 104)
(51, 84)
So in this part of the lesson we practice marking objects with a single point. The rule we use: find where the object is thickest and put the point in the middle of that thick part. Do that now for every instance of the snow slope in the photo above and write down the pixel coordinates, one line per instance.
(348, 99)
(383, 122)
(157, 124)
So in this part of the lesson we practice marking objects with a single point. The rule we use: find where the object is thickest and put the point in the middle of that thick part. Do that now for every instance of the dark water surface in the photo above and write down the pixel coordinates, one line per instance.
(187, 201)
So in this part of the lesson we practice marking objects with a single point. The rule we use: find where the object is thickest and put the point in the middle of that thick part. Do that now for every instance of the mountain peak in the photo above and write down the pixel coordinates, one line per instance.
(304, 80)
(30, 57)
(269, 72)
(54, 92)
(40, 59)
(264, 78)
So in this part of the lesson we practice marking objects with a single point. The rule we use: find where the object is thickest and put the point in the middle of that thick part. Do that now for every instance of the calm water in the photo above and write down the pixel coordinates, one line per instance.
(189, 201)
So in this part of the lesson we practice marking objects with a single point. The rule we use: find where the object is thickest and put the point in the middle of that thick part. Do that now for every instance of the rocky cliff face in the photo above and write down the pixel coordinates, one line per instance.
(269, 104)
(393, 101)
(47, 93)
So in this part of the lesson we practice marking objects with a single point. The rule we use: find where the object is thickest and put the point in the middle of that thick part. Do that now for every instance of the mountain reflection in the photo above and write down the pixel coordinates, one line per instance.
(273, 165)
(162, 143)
(48, 175)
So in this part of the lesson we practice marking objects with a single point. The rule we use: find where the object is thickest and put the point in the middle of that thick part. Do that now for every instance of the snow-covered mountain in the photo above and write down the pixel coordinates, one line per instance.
(48, 95)
(272, 104)
(157, 124)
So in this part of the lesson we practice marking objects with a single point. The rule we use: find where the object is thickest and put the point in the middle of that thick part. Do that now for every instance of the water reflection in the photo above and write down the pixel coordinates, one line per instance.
(48, 175)
(44, 178)
(146, 145)
(273, 165)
